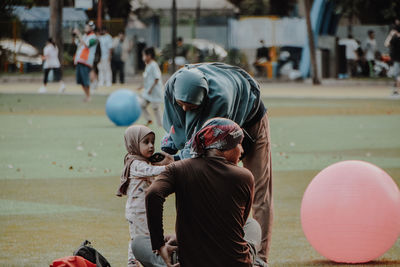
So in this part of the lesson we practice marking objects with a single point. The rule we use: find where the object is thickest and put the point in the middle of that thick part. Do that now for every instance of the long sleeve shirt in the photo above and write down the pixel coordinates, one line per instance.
(142, 174)
(213, 201)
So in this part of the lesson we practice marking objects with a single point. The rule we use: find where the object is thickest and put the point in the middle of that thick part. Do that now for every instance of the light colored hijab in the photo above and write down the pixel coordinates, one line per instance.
(133, 135)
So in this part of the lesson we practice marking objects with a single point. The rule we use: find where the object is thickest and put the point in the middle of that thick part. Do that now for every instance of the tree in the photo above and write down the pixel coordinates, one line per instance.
(382, 12)
(264, 7)
(311, 43)
(173, 44)
(252, 7)
(55, 26)
(117, 9)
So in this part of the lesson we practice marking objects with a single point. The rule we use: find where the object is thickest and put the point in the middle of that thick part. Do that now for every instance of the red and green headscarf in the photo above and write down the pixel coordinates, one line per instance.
(217, 133)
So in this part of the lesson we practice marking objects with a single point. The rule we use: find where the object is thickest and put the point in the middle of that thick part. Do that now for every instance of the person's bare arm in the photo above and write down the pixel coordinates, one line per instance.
(389, 38)
(166, 253)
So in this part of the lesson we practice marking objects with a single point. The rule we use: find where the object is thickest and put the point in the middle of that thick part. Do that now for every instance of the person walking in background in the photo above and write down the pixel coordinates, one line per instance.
(104, 66)
(51, 62)
(351, 54)
(84, 56)
(152, 87)
(393, 42)
(370, 49)
(117, 60)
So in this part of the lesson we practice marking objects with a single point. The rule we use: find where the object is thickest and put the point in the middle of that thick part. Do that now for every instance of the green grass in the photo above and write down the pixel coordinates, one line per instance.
(60, 162)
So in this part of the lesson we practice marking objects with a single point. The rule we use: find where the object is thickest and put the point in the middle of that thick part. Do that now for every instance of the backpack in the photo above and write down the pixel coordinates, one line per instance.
(91, 254)
(72, 261)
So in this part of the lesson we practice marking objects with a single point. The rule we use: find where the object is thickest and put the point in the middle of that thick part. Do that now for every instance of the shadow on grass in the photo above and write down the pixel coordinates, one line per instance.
(382, 262)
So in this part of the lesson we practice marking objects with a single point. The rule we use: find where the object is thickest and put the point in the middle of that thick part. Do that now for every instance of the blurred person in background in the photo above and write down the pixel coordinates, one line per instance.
(106, 43)
(85, 55)
(381, 68)
(118, 58)
(51, 62)
(181, 52)
(262, 57)
(362, 63)
(152, 87)
(351, 54)
(393, 42)
(370, 49)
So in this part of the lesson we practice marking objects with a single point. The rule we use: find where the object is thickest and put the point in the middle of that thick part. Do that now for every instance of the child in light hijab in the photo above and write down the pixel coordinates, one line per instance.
(137, 176)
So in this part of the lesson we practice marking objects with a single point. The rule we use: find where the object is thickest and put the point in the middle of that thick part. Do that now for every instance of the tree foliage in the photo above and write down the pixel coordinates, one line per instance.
(117, 9)
(264, 7)
(369, 11)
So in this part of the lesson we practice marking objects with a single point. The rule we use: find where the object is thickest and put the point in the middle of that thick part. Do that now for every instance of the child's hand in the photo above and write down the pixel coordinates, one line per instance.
(167, 160)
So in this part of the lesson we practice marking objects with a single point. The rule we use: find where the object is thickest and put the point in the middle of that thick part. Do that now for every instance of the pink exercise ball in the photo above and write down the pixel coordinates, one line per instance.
(350, 212)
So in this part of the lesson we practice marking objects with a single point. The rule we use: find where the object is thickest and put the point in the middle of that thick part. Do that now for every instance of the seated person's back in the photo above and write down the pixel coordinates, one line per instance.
(213, 201)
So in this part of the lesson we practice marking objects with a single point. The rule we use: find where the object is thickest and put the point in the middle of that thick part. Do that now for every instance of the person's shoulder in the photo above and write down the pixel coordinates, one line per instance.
(244, 174)
(187, 165)
(153, 64)
(183, 163)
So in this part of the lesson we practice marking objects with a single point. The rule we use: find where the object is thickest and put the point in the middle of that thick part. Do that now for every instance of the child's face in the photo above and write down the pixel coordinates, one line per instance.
(146, 145)
(146, 58)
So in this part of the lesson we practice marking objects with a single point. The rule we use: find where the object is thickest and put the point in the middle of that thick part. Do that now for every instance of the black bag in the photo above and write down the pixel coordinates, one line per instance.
(91, 254)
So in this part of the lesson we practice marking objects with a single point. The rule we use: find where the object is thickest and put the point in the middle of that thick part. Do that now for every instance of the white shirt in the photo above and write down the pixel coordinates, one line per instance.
(142, 174)
(51, 53)
(351, 47)
(150, 74)
(370, 48)
(106, 43)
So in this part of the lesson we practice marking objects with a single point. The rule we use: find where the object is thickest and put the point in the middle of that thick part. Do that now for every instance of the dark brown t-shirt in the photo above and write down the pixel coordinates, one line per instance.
(213, 201)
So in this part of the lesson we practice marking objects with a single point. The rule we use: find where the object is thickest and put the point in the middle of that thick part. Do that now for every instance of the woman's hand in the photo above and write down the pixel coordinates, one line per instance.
(166, 253)
(167, 159)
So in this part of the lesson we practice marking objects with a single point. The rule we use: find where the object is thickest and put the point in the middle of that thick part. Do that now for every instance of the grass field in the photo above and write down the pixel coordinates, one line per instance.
(60, 161)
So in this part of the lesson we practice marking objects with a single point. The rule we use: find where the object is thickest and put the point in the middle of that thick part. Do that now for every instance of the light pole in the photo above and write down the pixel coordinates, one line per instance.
(55, 26)
(173, 44)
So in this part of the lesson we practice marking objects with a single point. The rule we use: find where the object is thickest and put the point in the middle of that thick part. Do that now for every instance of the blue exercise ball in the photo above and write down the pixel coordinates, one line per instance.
(123, 107)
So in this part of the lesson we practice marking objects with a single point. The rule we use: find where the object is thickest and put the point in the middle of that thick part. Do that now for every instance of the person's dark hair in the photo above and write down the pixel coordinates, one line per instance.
(370, 32)
(91, 24)
(50, 40)
(150, 51)
(350, 36)
(104, 28)
(180, 39)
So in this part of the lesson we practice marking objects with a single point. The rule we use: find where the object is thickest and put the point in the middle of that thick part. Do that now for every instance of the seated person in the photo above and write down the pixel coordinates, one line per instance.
(213, 202)
(262, 57)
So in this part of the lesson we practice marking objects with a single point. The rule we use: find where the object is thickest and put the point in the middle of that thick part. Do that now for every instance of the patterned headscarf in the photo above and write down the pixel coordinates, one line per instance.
(219, 133)
(133, 135)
